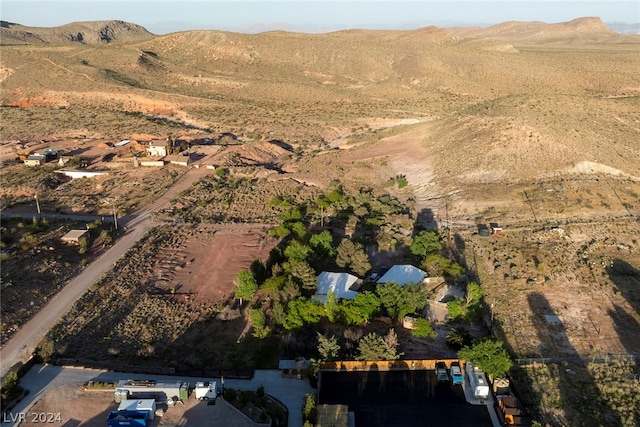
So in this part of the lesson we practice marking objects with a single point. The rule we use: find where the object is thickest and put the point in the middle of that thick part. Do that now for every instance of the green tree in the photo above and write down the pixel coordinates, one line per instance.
(274, 284)
(343, 252)
(374, 347)
(258, 322)
(106, 238)
(332, 307)
(11, 389)
(469, 307)
(399, 301)
(321, 244)
(437, 265)
(279, 231)
(46, 349)
(350, 314)
(352, 255)
(302, 311)
(304, 274)
(489, 355)
(360, 264)
(299, 230)
(297, 251)
(310, 410)
(425, 243)
(83, 245)
(245, 285)
(328, 348)
(422, 329)
(368, 304)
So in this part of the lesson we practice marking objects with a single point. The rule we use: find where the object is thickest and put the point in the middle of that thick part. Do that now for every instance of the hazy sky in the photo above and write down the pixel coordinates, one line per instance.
(163, 16)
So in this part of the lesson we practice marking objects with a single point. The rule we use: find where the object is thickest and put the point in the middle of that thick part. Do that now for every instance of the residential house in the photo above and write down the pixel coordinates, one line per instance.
(403, 274)
(343, 286)
(157, 148)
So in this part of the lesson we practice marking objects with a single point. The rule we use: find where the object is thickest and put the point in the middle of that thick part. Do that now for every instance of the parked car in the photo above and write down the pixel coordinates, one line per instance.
(456, 373)
(373, 277)
(441, 372)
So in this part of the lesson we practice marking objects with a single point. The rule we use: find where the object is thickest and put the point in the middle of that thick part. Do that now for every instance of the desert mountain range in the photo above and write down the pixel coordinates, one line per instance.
(514, 101)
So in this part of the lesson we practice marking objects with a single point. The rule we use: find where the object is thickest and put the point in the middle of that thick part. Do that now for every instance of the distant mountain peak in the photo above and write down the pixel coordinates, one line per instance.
(88, 32)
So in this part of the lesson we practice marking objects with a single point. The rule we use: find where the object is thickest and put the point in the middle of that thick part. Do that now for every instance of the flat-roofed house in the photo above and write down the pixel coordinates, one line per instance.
(73, 236)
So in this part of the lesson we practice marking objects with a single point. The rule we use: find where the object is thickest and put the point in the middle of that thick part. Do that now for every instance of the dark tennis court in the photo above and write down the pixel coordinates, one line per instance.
(401, 398)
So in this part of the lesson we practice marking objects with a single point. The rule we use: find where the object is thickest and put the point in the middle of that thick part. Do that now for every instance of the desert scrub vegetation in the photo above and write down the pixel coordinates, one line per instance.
(604, 394)
(132, 316)
(36, 264)
(108, 121)
(129, 186)
(224, 198)
(124, 315)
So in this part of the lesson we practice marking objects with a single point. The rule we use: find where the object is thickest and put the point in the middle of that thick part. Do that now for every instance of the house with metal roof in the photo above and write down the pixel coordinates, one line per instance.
(403, 274)
(343, 286)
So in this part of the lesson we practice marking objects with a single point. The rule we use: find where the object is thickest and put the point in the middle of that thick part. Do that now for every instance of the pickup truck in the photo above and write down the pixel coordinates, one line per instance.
(456, 373)
(441, 372)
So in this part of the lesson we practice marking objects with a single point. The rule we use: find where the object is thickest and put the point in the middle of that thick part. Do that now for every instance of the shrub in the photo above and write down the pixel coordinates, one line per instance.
(423, 329)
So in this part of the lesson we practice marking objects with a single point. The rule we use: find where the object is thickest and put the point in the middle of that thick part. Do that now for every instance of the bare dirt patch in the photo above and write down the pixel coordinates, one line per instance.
(208, 263)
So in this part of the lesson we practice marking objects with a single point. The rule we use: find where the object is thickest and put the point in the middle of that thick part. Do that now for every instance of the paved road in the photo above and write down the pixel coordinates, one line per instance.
(22, 345)
(42, 379)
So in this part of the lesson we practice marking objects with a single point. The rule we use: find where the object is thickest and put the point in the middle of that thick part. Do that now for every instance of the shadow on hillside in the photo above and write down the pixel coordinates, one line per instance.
(627, 281)
(579, 395)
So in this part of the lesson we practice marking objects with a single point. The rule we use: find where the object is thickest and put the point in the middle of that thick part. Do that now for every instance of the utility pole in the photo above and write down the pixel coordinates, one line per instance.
(115, 215)
(113, 205)
(38, 206)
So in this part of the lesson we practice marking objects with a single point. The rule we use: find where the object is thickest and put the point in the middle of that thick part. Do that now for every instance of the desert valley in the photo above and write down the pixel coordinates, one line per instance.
(282, 155)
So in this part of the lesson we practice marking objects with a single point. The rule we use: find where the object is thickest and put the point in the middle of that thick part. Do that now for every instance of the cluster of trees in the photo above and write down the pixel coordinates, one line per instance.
(286, 284)
(288, 280)
(292, 310)
(426, 247)
(372, 346)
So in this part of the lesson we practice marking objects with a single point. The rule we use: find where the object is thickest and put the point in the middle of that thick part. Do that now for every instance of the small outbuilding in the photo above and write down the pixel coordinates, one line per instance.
(73, 236)
(35, 160)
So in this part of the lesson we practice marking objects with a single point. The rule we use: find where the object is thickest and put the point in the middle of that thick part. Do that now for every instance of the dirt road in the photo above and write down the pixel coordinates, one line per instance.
(22, 345)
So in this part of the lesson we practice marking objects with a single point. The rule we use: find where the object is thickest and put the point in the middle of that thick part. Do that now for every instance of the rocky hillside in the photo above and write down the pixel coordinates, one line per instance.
(581, 29)
(93, 32)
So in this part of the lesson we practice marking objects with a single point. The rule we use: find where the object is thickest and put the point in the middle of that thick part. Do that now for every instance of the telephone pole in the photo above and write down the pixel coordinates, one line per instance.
(38, 206)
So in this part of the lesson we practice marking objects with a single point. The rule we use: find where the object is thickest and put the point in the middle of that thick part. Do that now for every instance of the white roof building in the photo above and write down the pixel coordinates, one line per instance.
(403, 274)
(343, 286)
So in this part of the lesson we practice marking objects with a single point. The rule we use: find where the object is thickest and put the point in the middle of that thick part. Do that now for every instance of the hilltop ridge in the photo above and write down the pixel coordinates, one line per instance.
(89, 32)
(591, 27)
